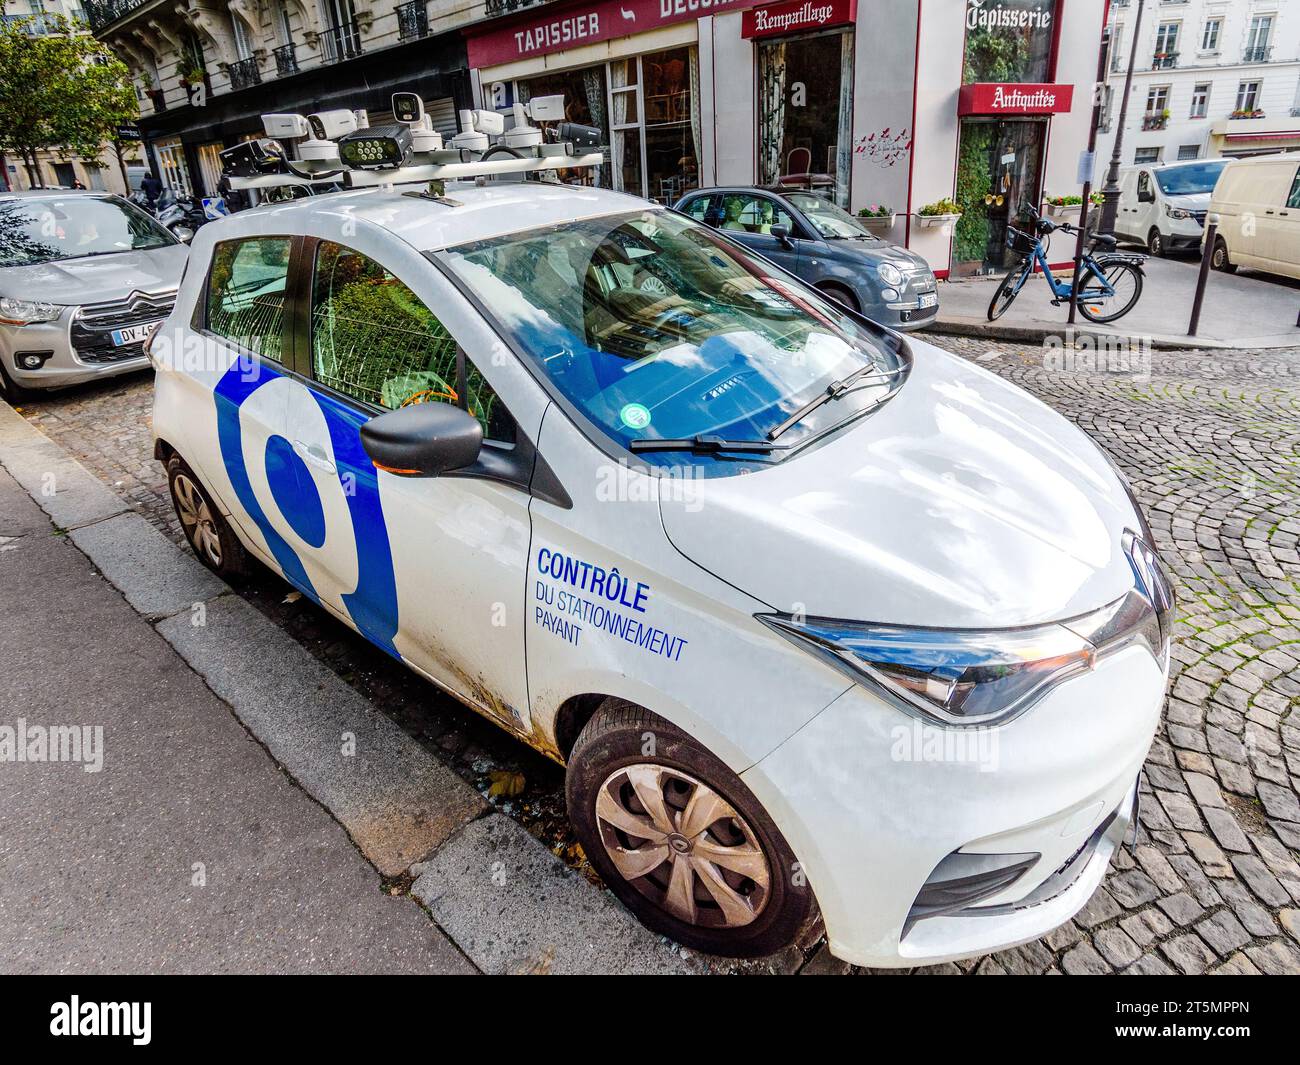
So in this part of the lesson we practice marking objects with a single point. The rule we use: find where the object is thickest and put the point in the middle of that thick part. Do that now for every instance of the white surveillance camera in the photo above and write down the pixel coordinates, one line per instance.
(408, 108)
(490, 122)
(318, 151)
(286, 127)
(330, 125)
(546, 108)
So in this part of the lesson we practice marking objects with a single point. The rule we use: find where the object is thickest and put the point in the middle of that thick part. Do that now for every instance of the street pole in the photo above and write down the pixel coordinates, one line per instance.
(1103, 53)
(1110, 193)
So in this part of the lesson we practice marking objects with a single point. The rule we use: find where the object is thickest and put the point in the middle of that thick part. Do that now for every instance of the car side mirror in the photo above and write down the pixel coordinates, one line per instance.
(1146, 197)
(423, 440)
(782, 233)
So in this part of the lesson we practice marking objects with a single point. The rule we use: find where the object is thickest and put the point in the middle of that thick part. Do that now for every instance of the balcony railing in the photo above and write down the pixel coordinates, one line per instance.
(1156, 120)
(286, 62)
(244, 74)
(342, 42)
(412, 20)
(100, 13)
(33, 25)
(1164, 60)
(1258, 53)
(495, 8)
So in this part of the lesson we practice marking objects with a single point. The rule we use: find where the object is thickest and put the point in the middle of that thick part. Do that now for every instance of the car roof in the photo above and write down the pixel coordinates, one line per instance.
(467, 212)
(771, 190)
(45, 194)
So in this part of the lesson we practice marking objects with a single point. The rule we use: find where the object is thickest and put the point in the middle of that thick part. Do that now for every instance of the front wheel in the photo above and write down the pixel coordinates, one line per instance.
(1095, 305)
(1006, 293)
(680, 839)
(1219, 257)
(1156, 243)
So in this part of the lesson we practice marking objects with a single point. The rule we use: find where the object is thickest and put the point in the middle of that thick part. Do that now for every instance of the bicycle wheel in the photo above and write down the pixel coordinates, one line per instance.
(1007, 292)
(1098, 306)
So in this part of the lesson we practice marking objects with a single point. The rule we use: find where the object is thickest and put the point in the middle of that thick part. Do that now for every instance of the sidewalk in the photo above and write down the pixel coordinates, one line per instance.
(1245, 310)
(227, 830)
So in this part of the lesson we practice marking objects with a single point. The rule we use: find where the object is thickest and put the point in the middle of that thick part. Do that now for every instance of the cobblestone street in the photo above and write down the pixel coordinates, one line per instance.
(1209, 442)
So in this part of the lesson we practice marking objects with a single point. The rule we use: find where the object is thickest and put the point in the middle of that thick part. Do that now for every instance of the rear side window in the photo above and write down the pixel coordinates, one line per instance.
(698, 208)
(374, 340)
(246, 289)
(1293, 200)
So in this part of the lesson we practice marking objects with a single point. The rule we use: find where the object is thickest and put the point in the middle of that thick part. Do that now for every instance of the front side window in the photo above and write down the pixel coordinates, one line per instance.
(745, 213)
(653, 328)
(374, 340)
(246, 289)
(698, 208)
(34, 231)
(830, 220)
(1293, 200)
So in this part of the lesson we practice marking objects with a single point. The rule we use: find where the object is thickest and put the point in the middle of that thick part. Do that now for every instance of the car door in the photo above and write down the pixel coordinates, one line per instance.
(431, 569)
(1277, 219)
(247, 352)
(749, 217)
(1144, 207)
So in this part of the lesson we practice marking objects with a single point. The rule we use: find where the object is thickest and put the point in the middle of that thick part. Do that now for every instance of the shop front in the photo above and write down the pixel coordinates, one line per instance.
(1004, 108)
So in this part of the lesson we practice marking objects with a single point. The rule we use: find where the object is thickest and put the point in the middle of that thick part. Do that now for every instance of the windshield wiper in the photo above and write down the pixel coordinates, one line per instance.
(834, 390)
(703, 445)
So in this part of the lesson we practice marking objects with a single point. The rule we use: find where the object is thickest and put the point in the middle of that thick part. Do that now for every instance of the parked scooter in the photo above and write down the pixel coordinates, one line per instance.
(180, 214)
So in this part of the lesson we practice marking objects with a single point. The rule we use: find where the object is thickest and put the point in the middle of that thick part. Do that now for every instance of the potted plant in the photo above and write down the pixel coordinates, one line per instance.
(1063, 206)
(1247, 113)
(877, 218)
(939, 214)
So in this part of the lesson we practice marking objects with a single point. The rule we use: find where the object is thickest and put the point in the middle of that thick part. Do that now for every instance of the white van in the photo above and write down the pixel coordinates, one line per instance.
(1164, 206)
(1258, 204)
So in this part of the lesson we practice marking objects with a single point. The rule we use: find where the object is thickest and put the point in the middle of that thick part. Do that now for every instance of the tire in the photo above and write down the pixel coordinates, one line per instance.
(767, 901)
(840, 294)
(1006, 293)
(1112, 309)
(209, 534)
(1219, 257)
(1156, 244)
(12, 393)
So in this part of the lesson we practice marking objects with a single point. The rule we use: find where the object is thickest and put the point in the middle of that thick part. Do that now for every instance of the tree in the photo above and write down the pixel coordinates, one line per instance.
(64, 90)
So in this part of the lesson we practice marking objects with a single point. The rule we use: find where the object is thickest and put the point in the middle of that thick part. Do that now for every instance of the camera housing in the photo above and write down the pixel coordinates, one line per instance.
(250, 158)
(330, 125)
(377, 148)
(408, 108)
(286, 126)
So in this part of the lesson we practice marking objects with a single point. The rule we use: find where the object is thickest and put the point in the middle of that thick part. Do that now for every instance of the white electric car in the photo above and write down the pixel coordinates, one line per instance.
(819, 618)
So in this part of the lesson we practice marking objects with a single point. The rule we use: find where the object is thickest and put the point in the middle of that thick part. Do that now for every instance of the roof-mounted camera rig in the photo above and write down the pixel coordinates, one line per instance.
(333, 146)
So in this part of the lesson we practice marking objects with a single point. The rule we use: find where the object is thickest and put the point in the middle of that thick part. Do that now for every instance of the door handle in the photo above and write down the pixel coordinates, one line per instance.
(314, 455)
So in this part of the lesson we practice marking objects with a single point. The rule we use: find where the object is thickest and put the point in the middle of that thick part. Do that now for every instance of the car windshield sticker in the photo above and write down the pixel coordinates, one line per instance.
(611, 603)
(635, 415)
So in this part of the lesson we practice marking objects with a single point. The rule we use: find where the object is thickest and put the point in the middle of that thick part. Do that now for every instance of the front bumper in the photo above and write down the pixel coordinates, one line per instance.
(873, 801)
(78, 346)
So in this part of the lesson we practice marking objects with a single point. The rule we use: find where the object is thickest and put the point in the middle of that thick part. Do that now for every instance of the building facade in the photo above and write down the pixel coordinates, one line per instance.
(208, 69)
(899, 103)
(56, 167)
(1210, 78)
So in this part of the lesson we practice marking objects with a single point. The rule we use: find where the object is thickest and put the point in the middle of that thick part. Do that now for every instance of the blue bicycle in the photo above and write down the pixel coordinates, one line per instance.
(1110, 282)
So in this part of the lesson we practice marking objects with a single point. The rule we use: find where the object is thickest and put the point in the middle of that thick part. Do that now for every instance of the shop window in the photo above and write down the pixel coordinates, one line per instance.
(585, 102)
(246, 293)
(670, 92)
(374, 340)
(804, 115)
(1009, 41)
(999, 167)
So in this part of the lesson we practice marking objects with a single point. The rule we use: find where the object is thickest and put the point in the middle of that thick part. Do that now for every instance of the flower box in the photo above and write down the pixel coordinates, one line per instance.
(937, 221)
(878, 224)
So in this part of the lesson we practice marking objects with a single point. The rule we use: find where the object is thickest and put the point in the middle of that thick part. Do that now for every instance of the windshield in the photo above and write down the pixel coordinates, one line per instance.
(830, 221)
(1189, 180)
(34, 231)
(655, 328)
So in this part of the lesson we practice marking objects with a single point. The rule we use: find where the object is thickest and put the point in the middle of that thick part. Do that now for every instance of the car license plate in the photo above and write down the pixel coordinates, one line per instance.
(928, 299)
(133, 334)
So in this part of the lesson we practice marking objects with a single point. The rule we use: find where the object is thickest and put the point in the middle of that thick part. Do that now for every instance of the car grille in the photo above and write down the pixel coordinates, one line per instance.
(93, 325)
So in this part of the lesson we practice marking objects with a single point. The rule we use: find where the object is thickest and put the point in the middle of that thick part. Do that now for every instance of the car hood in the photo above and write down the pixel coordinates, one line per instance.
(96, 278)
(880, 252)
(963, 502)
(1194, 201)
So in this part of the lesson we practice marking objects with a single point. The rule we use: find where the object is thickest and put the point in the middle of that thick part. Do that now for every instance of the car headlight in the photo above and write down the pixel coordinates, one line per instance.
(1177, 212)
(954, 677)
(14, 311)
(890, 274)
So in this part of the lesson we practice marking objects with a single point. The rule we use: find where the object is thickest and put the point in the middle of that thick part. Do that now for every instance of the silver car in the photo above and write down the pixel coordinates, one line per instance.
(84, 277)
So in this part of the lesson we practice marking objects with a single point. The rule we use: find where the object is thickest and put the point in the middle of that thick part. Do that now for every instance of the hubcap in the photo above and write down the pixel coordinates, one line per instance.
(683, 846)
(196, 519)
